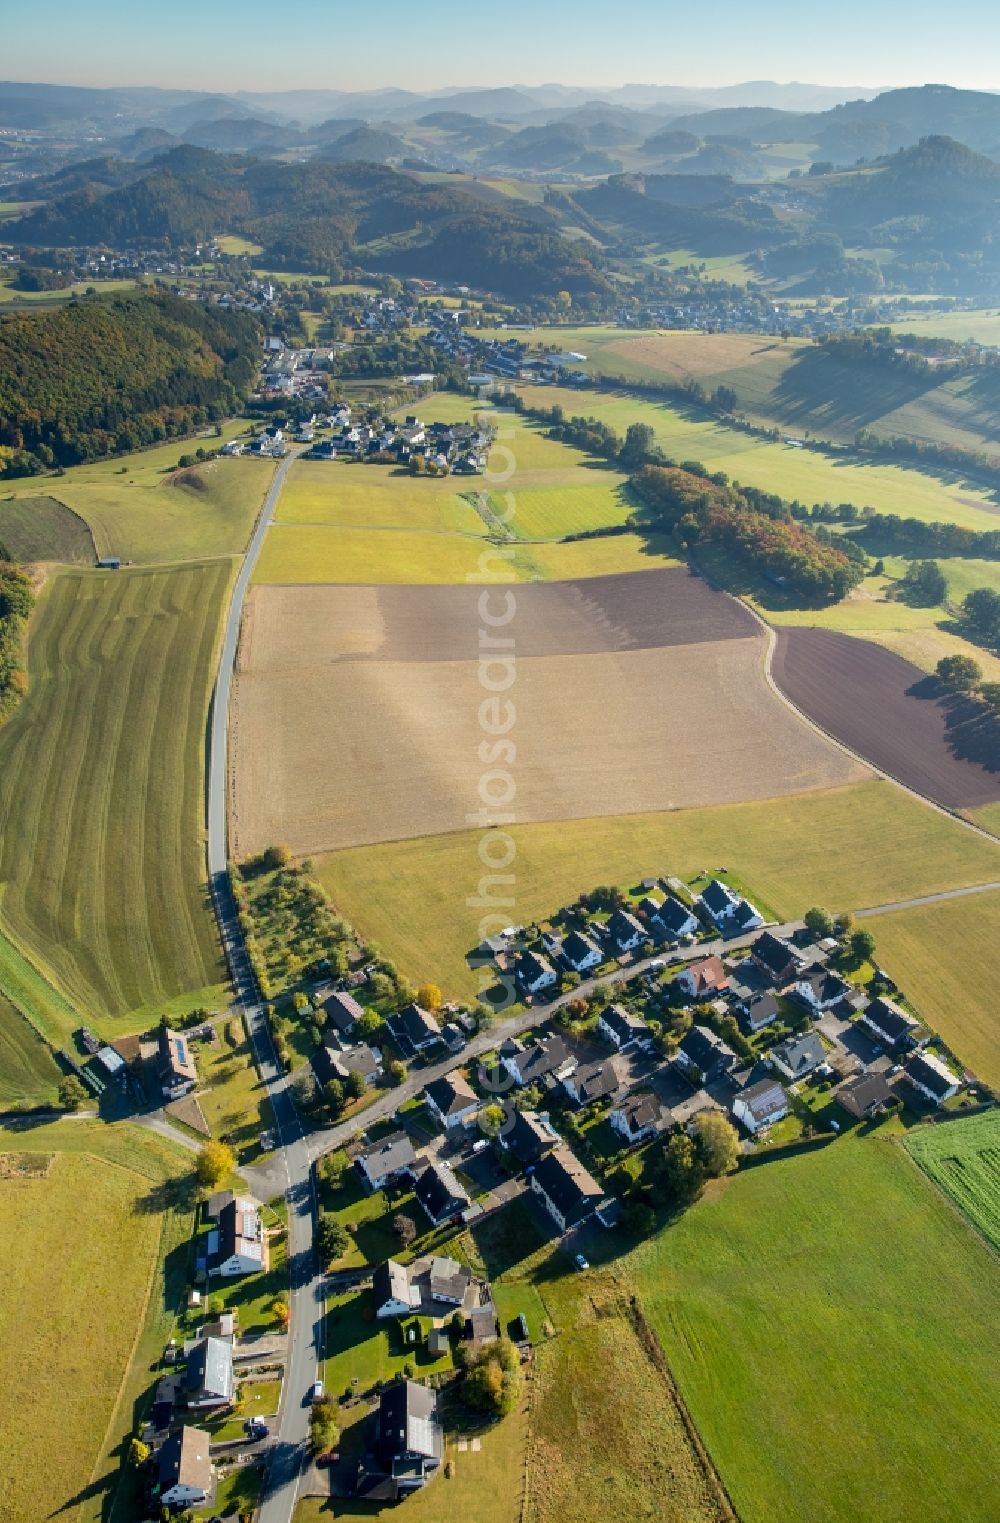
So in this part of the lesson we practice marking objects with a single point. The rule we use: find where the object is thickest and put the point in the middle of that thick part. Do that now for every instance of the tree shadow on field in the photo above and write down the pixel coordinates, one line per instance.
(972, 733)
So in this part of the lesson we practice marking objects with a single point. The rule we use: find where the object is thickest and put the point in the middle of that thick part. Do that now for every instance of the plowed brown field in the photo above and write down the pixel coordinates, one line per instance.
(357, 712)
(893, 714)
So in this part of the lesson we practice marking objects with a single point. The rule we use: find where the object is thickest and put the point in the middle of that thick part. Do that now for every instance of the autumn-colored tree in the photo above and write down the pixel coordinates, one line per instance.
(214, 1164)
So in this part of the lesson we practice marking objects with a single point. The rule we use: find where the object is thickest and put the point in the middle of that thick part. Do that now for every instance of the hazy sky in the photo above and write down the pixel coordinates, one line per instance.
(217, 44)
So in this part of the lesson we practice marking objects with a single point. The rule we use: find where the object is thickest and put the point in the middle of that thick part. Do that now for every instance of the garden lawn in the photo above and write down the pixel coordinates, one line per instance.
(231, 1093)
(824, 1317)
(963, 1159)
(81, 1326)
(947, 959)
(102, 860)
(141, 508)
(28, 1072)
(851, 847)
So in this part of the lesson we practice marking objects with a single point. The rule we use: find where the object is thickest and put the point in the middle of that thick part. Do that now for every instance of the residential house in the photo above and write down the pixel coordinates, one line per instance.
(703, 1056)
(391, 1159)
(595, 1081)
(452, 1101)
(440, 1193)
(888, 1022)
(175, 1064)
(395, 1289)
(240, 1240)
(581, 952)
(332, 1061)
(932, 1078)
(535, 973)
(622, 1028)
(415, 1029)
(342, 1011)
(797, 1056)
(406, 1444)
(208, 1380)
(776, 959)
(184, 1468)
(760, 1105)
(674, 920)
(718, 901)
(626, 931)
(432, 1286)
(703, 979)
(758, 1011)
(819, 989)
(545, 1061)
(529, 1135)
(567, 1190)
(865, 1096)
(637, 1117)
(745, 917)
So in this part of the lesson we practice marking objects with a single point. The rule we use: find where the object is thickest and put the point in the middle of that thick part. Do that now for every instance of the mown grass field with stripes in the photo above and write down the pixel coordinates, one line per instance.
(963, 1159)
(102, 861)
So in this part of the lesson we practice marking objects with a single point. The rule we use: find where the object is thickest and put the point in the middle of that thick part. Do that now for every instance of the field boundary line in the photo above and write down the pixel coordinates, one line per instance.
(942, 1194)
(76, 514)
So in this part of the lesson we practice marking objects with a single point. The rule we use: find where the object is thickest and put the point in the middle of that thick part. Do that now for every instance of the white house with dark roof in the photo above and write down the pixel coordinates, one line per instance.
(674, 920)
(703, 1054)
(535, 973)
(208, 1380)
(581, 952)
(414, 1028)
(546, 1061)
(567, 1190)
(932, 1078)
(440, 1193)
(626, 931)
(819, 989)
(452, 1101)
(636, 1117)
(390, 1159)
(184, 1468)
(797, 1056)
(888, 1022)
(622, 1028)
(758, 1011)
(718, 901)
(761, 1105)
(342, 1011)
(240, 1242)
(595, 1081)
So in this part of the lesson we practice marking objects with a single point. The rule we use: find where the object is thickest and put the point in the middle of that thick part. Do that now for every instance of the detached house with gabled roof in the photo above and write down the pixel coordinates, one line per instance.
(581, 952)
(931, 1078)
(390, 1159)
(240, 1242)
(718, 901)
(636, 1117)
(702, 1054)
(888, 1022)
(184, 1468)
(703, 979)
(452, 1101)
(175, 1064)
(535, 973)
(567, 1190)
(673, 920)
(546, 1061)
(440, 1193)
(406, 1443)
(819, 989)
(529, 1135)
(596, 1081)
(776, 959)
(626, 931)
(342, 1011)
(208, 1380)
(415, 1028)
(761, 1105)
(798, 1056)
(622, 1028)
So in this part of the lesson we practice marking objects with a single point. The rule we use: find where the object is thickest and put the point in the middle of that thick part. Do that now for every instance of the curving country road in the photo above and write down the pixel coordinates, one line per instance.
(289, 1451)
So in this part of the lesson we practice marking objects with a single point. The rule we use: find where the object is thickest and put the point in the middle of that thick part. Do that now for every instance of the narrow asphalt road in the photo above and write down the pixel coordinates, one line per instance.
(288, 1452)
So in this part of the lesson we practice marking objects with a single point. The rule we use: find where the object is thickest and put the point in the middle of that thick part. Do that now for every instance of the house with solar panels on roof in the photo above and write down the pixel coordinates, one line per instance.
(404, 1444)
(175, 1064)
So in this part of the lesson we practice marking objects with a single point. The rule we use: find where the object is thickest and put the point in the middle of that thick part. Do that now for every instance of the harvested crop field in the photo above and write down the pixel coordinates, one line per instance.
(963, 1159)
(359, 711)
(44, 529)
(893, 714)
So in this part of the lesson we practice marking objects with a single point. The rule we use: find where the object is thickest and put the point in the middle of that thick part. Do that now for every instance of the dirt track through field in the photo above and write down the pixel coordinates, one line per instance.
(890, 712)
(358, 709)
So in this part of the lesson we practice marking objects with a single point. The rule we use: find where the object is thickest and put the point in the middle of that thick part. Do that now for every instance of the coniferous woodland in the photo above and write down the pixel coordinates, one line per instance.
(93, 379)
